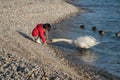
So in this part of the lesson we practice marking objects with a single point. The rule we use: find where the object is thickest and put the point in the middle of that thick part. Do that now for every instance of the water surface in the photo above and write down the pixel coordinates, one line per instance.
(105, 15)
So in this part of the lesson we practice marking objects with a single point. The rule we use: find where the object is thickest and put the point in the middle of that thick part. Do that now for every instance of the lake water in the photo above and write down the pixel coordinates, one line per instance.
(105, 15)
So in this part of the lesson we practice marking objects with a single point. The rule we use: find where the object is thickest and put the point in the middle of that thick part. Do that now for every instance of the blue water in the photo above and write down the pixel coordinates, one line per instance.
(105, 15)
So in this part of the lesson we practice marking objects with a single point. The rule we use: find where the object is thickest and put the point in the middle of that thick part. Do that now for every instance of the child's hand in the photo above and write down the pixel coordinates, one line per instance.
(45, 43)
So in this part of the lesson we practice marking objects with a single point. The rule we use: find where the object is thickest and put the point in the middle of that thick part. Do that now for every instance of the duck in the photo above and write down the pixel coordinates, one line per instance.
(82, 26)
(94, 28)
(117, 34)
(101, 32)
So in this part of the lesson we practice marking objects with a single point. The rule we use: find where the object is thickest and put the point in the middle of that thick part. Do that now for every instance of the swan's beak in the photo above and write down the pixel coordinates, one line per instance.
(50, 41)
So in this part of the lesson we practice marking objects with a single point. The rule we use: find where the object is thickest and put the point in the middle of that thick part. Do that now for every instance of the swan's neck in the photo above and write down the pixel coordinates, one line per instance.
(62, 39)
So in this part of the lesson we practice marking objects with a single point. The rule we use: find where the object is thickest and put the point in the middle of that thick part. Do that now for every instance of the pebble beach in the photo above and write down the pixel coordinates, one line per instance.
(23, 59)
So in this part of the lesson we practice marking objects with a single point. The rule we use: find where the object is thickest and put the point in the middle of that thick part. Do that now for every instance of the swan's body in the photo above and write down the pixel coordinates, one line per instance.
(86, 42)
(82, 42)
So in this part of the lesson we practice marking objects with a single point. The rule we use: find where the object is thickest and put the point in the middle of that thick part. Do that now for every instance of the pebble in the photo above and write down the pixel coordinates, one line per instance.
(20, 69)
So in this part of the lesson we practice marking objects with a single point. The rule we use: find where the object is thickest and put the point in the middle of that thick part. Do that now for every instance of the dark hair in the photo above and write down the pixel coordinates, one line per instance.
(47, 26)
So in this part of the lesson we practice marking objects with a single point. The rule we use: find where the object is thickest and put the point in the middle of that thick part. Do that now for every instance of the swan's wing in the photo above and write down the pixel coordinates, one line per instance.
(86, 42)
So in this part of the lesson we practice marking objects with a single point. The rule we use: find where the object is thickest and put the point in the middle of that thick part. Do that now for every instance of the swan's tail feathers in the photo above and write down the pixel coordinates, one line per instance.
(86, 42)
(62, 40)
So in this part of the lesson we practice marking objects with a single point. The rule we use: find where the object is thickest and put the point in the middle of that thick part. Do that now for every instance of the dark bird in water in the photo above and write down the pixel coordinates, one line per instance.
(94, 28)
(82, 26)
(101, 32)
(117, 34)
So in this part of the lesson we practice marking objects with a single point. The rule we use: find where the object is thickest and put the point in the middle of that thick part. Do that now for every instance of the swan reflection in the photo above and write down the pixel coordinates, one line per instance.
(88, 56)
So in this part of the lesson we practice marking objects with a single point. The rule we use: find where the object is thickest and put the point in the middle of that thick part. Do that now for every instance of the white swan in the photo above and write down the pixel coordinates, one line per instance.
(82, 41)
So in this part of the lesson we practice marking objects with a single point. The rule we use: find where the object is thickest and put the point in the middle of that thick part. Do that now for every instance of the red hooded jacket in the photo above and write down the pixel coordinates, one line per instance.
(39, 31)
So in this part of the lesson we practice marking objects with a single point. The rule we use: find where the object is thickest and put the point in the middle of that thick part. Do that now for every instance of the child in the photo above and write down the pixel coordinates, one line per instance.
(40, 32)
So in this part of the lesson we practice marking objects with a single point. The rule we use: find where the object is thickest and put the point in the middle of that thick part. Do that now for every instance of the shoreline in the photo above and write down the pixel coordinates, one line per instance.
(17, 49)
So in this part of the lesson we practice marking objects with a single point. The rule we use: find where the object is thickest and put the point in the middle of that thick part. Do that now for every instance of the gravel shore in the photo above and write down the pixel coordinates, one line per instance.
(20, 57)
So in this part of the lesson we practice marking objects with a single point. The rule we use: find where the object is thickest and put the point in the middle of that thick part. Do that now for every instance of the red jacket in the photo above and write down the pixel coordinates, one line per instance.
(39, 31)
